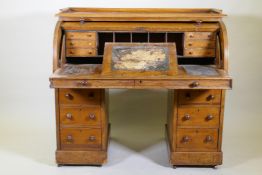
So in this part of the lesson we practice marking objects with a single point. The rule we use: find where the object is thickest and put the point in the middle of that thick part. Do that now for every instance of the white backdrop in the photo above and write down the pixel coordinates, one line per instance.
(27, 119)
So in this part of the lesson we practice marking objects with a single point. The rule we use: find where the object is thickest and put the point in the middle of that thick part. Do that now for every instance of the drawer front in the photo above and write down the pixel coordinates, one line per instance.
(73, 138)
(199, 52)
(198, 116)
(80, 96)
(80, 44)
(197, 139)
(200, 35)
(81, 35)
(80, 52)
(80, 116)
(200, 44)
(199, 97)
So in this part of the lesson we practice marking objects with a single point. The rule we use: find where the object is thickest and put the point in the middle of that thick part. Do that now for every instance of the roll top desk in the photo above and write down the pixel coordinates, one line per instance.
(196, 93)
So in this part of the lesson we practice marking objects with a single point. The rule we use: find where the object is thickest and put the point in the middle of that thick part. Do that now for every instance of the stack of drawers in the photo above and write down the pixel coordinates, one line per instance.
(81, 44)
(199, 44)
(196, 127)
(81, 123)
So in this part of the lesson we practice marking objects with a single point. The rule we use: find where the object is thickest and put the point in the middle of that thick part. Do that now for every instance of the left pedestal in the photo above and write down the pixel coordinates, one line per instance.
(82, 126)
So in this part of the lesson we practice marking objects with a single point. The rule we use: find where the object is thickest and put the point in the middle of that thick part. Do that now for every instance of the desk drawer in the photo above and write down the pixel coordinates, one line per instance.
(200, 35)
(80, 96)
(199, 44)
(81, 35)
(81, 52)
(200, 116)
(80, 116)
(199, 52)
(80, 44)
(199, 97)
(197, 139)
(80, 138)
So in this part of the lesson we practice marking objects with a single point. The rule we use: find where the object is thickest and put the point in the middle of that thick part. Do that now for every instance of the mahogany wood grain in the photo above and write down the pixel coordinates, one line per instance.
(199, 97)
(87, 157)
(198, 116)
(197, 139)
(80, 96)
(80, 116)
(81, 138)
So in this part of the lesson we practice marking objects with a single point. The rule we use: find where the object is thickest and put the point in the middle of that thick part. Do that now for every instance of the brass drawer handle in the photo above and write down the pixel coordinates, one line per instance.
(186, 117)
(92, 116)
(69, 138)
(186, 139)
(209, 117)
(208, 139)
(69, 116)
(92, 138)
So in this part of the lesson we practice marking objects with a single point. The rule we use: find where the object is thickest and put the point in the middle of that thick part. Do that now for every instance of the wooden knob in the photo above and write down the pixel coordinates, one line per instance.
(69, 138)
(91, 138)
(91, 95)
(209, 117)
(188, 96)
(186, 139)
(190, 44)
(190, 53)
(71, 52)
(194, 84)
(69, 116)
(92, 116)
(69, 96)
(210, 97)
(187, 117)
(191, 36)
(209, 139)
(71, 44)
(90, 53)
(89, 35)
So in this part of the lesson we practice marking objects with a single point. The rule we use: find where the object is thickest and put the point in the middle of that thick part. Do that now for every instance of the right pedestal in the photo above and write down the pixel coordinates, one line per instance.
(194, 127)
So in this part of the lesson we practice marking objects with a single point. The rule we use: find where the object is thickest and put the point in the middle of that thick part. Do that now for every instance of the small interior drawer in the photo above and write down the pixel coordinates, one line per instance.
(199, 44)
(80, 96)
(199, 52)
(197, 139)
(199, 97)
(88, 116)
(81, 35)
(81, 52)
(80, 43)
(80, 138)
(200, 116)
(199, 35)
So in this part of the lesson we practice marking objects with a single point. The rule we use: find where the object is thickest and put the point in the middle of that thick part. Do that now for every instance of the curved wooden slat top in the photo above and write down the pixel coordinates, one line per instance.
(57, 45)
(224, 45)
(139, 14)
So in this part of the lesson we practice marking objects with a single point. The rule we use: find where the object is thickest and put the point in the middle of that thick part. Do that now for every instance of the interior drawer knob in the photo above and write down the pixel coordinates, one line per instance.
(185, 139)
(92, 138)
(186, 117)
(190, 44)
(69, 138)
(92, 116)
(209, 139)
(69, 116)
(194, 84)
(210, 97)
(69, 96)
(209, 117)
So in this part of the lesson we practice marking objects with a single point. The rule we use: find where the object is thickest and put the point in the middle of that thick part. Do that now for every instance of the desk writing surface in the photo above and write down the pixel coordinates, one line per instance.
(72, 76)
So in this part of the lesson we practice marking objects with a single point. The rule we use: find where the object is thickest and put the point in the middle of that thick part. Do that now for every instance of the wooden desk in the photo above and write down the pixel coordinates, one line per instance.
(196, 94)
